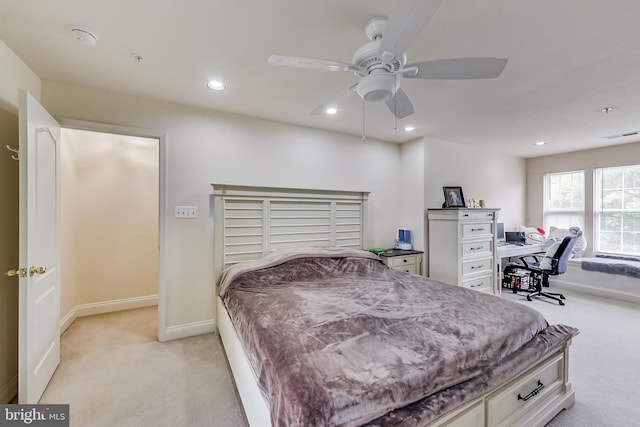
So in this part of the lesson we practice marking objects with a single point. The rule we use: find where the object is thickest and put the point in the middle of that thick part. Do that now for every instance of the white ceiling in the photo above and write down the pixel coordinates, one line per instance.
(568, 59)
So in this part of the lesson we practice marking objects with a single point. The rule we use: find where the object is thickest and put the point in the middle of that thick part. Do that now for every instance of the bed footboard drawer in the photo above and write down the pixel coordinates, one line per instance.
(470, 416)
(510, 405)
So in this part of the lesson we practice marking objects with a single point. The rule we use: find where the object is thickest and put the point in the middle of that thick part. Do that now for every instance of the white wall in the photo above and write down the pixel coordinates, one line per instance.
(109, 201)
(498, 179)
(587, 160)
(206, 147)
(15, 75)
(412, 183)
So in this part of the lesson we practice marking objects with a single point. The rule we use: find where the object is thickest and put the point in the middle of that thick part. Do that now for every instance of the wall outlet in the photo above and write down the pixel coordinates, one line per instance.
(189, 212)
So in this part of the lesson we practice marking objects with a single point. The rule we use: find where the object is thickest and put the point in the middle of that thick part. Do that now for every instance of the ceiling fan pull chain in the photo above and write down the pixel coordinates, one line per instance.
(395, 111)
(364, 138)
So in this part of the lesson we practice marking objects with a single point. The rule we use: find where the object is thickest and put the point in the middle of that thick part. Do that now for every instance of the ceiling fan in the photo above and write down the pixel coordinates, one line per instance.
(382, 61)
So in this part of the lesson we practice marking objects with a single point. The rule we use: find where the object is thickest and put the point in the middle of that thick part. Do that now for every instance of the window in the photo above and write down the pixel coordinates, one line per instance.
(564, 200)
(617, 210)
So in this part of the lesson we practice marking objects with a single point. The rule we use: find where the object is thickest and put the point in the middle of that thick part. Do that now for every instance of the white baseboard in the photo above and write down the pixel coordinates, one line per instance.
(189, 330)
(9, 391)
(598, 283)
(597, 291)
(171, 332)
(106, 307)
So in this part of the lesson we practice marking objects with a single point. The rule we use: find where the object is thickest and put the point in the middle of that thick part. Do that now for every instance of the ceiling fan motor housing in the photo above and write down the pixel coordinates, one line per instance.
(379, 82)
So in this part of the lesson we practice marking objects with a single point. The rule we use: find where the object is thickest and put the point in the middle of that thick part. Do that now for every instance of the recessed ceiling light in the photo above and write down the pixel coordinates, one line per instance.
(408, 128)
(216, 85)
(540, 143)
(84, 37)
(607, 110)
(332, 111)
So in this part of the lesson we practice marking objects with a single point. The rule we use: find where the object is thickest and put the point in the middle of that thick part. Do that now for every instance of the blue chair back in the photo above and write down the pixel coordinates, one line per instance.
(562, 255)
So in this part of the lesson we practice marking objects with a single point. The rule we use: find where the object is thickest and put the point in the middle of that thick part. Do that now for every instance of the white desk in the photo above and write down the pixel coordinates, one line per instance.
(511, 251)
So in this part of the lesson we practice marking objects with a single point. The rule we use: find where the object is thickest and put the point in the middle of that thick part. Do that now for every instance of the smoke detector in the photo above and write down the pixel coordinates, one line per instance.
(85, 37)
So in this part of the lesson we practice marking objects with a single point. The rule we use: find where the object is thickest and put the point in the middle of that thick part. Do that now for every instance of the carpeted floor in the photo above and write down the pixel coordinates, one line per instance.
(113, 372)
(604, 366)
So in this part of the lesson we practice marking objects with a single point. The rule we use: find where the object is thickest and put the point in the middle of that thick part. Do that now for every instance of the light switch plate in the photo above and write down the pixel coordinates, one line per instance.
(189, 212)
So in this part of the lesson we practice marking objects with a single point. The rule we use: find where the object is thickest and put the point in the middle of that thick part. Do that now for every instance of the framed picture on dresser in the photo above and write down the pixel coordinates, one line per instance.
(453, 197)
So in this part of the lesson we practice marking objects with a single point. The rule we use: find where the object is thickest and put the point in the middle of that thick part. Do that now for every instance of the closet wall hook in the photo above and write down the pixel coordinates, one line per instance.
(13, 150)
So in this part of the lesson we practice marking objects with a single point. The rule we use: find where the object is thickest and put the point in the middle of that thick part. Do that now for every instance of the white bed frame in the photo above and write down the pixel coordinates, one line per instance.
(250, 222)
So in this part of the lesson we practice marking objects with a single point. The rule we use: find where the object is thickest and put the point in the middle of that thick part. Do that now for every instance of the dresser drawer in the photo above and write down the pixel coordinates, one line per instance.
(477, 266)
(409, 268)
(484, 247)
(508, 405)
(482, 284)
(477, 229)
(399, 261)
(476, 215)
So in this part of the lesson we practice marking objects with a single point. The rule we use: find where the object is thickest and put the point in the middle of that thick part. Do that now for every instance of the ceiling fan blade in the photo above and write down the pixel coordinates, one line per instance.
(334, 102)
(400, 105)
(456, 69)
(404, 25)
(312, 63)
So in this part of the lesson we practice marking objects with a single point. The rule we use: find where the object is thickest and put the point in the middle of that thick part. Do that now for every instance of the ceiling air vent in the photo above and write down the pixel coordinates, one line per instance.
(621, 135)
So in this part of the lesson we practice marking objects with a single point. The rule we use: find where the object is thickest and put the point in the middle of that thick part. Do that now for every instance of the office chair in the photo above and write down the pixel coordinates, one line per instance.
(549, 265)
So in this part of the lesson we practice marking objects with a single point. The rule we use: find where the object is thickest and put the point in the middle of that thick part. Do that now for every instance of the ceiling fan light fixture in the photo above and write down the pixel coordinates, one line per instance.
(378, 87)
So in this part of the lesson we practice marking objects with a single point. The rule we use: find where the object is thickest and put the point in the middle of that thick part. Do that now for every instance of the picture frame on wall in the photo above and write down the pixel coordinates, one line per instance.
(453, 197)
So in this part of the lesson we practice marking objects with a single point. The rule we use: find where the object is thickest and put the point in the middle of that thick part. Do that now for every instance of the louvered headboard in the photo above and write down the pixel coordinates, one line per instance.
(250, 222)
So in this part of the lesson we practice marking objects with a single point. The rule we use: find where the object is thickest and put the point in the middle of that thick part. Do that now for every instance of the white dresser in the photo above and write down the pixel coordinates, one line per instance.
(462, 247)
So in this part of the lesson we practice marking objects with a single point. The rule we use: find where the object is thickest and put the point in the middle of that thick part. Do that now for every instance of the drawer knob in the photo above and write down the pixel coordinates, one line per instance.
(473, 267)
(532, 393)
(476, 248)
(477, 229)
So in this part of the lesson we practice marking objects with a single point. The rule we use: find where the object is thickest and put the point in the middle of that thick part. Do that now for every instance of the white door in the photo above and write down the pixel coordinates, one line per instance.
(39, 306)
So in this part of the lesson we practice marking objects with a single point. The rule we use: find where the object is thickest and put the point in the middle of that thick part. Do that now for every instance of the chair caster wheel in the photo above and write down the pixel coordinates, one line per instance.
(529, 299)
(561, 303)
(562, 297)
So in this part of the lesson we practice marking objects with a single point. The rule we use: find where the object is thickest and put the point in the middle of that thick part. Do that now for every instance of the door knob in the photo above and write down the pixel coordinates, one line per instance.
(20, 272)
(37, 270)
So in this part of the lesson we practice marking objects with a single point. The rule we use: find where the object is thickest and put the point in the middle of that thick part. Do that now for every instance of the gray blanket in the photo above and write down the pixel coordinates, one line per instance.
(343, 340)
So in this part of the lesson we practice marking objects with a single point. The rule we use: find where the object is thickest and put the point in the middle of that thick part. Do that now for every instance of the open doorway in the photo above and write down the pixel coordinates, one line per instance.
(109, 213)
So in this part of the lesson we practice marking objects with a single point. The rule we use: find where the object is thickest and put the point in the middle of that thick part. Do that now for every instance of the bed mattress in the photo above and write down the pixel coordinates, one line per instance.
(337, 338)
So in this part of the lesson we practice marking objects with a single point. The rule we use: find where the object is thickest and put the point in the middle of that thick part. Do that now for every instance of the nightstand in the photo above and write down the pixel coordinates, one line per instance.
(409, 261)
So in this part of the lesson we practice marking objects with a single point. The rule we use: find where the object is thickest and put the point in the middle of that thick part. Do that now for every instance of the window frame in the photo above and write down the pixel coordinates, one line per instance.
(548, 211)
(599, 210)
